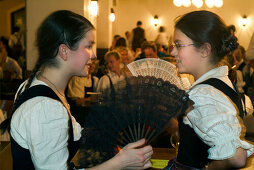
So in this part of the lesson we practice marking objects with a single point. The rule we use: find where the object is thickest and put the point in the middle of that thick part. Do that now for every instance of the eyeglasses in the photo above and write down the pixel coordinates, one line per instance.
(179, 46)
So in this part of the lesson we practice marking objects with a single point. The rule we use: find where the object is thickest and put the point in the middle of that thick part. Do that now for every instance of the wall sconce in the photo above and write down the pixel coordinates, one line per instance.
(244, 21)
(112, 16)
(156, 20)
(93, 7)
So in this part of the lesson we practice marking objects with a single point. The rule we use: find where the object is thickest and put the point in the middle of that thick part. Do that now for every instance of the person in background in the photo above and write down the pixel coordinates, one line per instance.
(115, 38)
(210, 132)
(79, 87)
(128, 39)
(126, 58)
(149, 49)
(238, 65)
(249, 69)
(138, 36)
(114, 75)
(43, 131)
(10, 67)
(121, 42)
(162, 42)
(16, 43)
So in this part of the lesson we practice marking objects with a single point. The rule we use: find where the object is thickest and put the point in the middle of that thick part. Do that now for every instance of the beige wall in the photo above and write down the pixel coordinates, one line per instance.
(127, 14)
(6, 8)
(129, 11)
(37, 10)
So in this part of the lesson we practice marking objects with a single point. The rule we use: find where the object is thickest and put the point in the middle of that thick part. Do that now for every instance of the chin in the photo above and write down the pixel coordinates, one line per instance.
(83, 73)
(179, 70)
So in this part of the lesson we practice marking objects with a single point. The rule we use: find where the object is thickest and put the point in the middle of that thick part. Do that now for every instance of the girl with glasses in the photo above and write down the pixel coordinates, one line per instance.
(210, 133)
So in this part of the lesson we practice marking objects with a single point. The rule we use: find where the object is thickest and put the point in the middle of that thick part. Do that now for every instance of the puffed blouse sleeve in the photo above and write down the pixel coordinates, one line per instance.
(41, 125)
(214, 120)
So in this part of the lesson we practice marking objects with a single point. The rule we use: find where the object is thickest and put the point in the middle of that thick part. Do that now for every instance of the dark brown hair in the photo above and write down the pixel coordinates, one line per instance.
(207, 27)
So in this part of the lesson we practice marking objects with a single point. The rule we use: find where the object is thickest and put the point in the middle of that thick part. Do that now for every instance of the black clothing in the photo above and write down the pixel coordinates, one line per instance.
(138, 38)
(21, 156)
(193, 151)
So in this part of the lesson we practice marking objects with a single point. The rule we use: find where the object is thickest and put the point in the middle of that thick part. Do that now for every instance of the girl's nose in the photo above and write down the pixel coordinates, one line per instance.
(93, 56)
(174, 51)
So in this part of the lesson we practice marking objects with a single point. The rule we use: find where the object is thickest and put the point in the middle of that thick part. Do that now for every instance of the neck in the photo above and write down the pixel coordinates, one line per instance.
(54, 79)
(203, 71)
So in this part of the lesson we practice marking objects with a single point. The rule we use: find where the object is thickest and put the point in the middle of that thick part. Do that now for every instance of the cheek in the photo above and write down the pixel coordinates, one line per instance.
(82, 59)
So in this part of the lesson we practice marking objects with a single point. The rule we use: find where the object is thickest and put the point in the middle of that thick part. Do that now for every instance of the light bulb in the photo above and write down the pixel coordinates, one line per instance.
(209, 3)
(112, 17)
(218, 3)
(197, 3)
(178, 3)
(186, 3)
(93, 8)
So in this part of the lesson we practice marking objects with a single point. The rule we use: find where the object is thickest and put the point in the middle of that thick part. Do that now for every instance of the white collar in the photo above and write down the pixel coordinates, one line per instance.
(214, 73)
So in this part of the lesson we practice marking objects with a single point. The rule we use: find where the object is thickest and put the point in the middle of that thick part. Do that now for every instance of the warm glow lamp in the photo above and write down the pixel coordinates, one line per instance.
(218, 3)
(209, 3)
(244, 21)
(197, 3)
(93, 7)
(186, 3)
(112, 16)
(178, 3)
(156, 20)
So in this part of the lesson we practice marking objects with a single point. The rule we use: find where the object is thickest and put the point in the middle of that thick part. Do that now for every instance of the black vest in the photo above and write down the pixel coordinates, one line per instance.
(21, 156)
(192, 150)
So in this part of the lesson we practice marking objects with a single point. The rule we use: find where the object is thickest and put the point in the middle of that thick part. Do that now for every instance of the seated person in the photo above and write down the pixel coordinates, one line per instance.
(114, 75)
(126, 58)
(78, 87)
(149, 50)
(10, 67)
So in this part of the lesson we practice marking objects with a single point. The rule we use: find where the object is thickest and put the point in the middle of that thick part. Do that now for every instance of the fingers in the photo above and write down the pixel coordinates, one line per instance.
(145, 165)
(148, 164)
(136, 144)
(148, 153)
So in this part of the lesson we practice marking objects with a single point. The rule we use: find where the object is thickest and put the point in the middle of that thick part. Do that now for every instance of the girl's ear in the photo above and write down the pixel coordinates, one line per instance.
(63, 51)
(206, 50)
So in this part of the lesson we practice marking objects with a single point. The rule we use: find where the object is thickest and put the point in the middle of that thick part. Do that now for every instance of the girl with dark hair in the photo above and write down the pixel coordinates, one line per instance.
(210, 133)
(42, 128)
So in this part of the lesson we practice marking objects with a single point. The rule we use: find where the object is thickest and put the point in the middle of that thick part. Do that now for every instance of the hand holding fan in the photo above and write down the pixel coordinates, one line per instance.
(142, 108)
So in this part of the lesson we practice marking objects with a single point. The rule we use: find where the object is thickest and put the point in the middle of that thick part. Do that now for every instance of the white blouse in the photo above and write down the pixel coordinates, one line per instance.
(214, 117)
(104, 82)
(41, 125)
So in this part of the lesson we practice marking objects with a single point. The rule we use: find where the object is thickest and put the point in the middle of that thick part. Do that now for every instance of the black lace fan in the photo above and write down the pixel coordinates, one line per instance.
(141, 108)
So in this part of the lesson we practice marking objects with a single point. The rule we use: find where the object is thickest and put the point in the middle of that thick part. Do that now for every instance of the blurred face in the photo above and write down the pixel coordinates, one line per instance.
(186, 55)
(81, 58)
(124, 56)
(113, 64)
(92, 67)
(149, 53)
